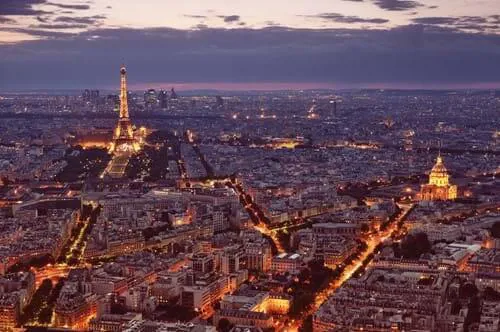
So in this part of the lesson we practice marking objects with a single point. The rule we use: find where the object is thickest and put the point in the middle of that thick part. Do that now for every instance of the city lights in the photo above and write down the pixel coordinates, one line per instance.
(278, 166)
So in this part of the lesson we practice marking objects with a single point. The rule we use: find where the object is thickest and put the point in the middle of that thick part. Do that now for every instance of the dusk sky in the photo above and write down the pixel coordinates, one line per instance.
(255, 44)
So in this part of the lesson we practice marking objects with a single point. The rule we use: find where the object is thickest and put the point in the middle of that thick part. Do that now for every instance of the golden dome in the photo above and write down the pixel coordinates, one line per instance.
(439, 187)
(439, 173)
(439, 167)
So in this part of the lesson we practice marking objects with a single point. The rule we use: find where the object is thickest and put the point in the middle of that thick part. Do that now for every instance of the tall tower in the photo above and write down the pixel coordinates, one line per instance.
(123, 139)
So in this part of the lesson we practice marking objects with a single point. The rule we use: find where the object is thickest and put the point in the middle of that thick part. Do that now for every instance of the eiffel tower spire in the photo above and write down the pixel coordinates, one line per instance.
(123, 93)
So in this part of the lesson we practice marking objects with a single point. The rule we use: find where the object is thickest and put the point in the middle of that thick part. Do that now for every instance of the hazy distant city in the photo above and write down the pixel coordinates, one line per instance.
(277, 187)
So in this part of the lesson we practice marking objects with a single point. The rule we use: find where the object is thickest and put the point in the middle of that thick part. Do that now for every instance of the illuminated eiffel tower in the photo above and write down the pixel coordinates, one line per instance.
(123, 138)
(124, 143)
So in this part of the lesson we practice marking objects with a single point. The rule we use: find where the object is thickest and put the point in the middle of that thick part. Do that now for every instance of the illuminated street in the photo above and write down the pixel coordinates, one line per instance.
(250, 206)
(372, 242)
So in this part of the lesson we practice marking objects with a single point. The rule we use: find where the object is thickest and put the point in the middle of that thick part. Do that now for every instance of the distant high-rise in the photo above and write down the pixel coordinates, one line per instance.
(332, 108)
(94, 97)
(91, 96)
(219, 101)
(173, 95)
(150, 98)
(163, 99)
(86, 95)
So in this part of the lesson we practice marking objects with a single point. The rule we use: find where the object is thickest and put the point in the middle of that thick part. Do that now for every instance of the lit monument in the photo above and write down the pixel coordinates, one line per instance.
(439, 187)
(124, 143)
(123, 137)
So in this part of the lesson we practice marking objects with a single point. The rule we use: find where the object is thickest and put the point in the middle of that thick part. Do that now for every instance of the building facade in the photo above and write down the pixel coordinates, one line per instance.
(439, 187)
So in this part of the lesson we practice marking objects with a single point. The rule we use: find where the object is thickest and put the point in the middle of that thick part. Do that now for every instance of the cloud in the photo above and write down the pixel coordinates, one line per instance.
(478, 27)
(451, 20)
(59, 26)
(407, 54)
(495, 19)
(42, 19)
(20, 7)
(195, 16)
(272, 24)
(474, 19)
(397, 5)
(230, 18)
(25, 8)
(339, 18)
(435, 20)
(6, 20)
(90, 20)
(36, 32)
(474, 23)
(65, 6)
(200, 26)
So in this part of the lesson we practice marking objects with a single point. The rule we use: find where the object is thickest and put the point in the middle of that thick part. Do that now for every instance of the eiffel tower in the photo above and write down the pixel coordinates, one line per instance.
(123, 138)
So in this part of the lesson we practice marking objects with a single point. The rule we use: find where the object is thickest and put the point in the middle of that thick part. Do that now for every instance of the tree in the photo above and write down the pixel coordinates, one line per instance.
(254, 218)
(384, 225)
(85, 211)
(304, 275)
(45, 315)
(301, 301)
(38, 261)
(248, 198)
(4, 181)
(274, 249)
(284, 239)
(425, 281)
(414, 245)
(365, 228)
(307, 325)
(467, 290)
(224, 325)
(490, 294)
(474, 313)
(32, 310)
(495, 230)
(455, 307)
(362, 246)
(396, 249)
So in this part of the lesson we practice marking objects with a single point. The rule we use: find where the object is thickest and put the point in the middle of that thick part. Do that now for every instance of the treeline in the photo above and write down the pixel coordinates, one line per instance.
(41, 307)
(88, 163)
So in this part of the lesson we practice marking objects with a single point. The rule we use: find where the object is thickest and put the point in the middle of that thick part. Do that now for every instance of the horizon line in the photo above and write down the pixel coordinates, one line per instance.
(274, 86)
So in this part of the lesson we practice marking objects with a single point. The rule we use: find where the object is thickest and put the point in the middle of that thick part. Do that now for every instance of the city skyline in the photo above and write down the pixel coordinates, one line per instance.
(195, 44)
(295, 211)
(249, 166)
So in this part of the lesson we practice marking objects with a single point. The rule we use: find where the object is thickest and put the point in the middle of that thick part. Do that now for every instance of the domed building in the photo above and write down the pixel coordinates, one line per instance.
(439, 187)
